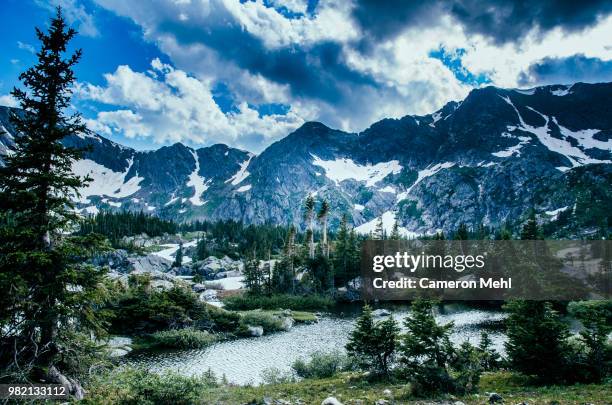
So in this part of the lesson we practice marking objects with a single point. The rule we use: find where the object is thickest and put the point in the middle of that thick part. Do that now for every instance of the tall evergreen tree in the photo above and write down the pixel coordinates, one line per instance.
(462, 232)
(395, 234)
(47, 288)
(354, 255)
(253, 279)
(342, 250)
(322, 217)
(530, 230)
(309, 207)
(379, 231)
(290, 256)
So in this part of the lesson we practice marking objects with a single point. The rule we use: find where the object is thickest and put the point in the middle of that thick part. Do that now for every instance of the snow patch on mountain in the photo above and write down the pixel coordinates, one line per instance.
(585, 137)
(104, 181)
(387, 189)
(423, 174)
(242, 173)
(198, 182)
(561, 146)
(513, 149)
(561, 92)
(342, 169)
(555, 213)
(388, 220)
(436, 117)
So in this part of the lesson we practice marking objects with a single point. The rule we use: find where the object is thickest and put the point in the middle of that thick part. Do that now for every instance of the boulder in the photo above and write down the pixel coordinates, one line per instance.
(255, 331)
(387, 393)
(227, 274)
(208, 295)
(331, 401)
(115, 260)
(495, 397)
(198, 288)
(148, 264)
(381, 312)
(287, 323)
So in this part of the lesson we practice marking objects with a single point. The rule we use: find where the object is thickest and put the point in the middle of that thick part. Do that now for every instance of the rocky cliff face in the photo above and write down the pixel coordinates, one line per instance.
(486, 159)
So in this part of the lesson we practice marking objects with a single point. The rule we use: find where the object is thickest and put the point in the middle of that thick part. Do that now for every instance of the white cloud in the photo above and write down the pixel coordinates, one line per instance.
(26, 47)
(168, 105)
(504, 64)
(330, 23)
(8, 101)
(74, 14)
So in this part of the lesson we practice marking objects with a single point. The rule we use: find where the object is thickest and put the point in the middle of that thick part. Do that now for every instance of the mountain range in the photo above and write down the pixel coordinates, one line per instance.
(485, 160)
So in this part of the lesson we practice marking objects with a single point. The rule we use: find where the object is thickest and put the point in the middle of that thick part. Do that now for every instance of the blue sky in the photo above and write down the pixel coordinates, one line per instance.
(247, 73)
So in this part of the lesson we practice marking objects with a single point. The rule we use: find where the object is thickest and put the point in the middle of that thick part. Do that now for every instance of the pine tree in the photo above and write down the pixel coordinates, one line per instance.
(537, 340)
(178, 257)
(372, 345)
(49, 290)
(290, 256)
(467, 366)
(354, 255)
(252, 274)
(341, 250)
(395, 234)
(462, 232)
(531, 230)
(379, 231)
(490, 359)
(426, 350)
(309, 206)
(322, 217)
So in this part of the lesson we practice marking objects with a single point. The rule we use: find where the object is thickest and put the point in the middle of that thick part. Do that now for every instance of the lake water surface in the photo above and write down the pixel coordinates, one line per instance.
(242, 361)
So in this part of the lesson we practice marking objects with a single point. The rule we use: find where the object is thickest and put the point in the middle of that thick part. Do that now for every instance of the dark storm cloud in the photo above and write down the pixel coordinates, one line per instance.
(501, 21)
(316, 71)
(577, 68)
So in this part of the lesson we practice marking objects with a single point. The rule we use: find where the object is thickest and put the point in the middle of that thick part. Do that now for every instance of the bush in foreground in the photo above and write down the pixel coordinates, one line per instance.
(187, 338)
(321, 365)
(140, 387)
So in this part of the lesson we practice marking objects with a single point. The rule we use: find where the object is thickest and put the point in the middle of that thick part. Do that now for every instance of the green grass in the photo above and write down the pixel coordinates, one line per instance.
(298, 316)
(349, 388)
(187, 338)
(282, 301)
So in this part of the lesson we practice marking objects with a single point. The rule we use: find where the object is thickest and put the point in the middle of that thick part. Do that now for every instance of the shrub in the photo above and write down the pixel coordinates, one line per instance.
(140, 387)
(321, 365)
(273, 375)
(141, 310)
(268, 321)
(282, 301)
(187, 338)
